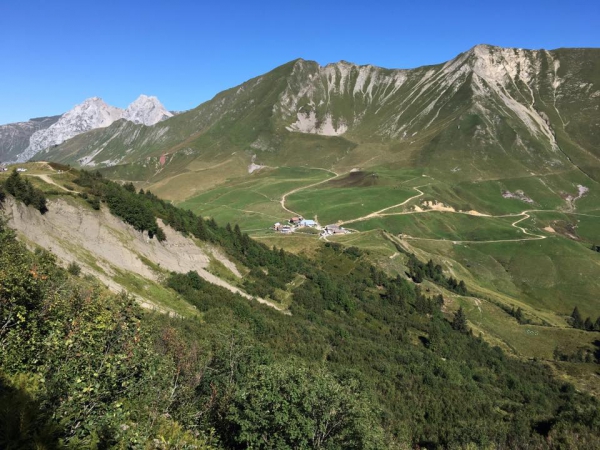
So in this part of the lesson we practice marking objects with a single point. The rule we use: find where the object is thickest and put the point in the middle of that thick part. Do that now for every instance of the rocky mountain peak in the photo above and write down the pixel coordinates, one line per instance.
(94, 113)
(146, 110)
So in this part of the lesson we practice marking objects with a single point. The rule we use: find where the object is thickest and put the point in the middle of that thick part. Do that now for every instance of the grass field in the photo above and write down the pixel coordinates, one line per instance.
(547, 192)
(354, 195)
(254, 202)
(443, 225)
(552, 275)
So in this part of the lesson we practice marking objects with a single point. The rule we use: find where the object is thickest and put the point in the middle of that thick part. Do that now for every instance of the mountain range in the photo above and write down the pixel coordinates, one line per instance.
(451, 263)
(22, 140)
(490, 107)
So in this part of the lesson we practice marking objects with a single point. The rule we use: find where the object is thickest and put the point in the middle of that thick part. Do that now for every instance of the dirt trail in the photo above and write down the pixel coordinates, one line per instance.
(301, 188)
(525, 215)
(47, 179)
(380, 212)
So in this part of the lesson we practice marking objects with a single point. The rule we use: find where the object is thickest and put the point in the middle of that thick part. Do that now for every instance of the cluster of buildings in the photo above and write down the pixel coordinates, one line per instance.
(3, 168)
(333, 229)
(293, 223)
(300, 222)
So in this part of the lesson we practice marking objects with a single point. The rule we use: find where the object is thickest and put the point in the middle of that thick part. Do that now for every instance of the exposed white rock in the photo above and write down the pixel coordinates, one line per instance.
(497, 70)
(332, 99)
(91, 114)
(308, 123)
(147, 111)
(14, 137)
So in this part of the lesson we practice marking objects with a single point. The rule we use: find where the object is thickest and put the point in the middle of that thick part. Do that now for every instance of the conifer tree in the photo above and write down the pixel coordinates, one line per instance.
(201, 229)
(577, 320)
(519, 315)
(435, 334)
(460, 321)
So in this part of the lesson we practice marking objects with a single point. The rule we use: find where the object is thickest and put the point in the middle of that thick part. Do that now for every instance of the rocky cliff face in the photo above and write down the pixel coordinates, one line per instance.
(397, 104)
(146, 111)
(93, 113)
(14, 137)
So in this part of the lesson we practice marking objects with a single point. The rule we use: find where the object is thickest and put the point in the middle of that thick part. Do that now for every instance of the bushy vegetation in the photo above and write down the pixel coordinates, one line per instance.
(22, 189)
(82, 369)
(364, 361)
(79, 368)
(74, 269)
(122, 202)
(419, 271)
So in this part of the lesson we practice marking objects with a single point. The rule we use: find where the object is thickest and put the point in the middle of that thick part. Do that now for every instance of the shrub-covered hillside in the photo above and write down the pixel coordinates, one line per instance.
(364, 361)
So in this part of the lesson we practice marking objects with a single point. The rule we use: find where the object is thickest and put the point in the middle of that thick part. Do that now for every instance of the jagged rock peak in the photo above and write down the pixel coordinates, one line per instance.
(147, 110)
(94, 113)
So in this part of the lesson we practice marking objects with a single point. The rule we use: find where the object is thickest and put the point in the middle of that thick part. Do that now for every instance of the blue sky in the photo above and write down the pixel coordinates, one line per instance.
(55, 54)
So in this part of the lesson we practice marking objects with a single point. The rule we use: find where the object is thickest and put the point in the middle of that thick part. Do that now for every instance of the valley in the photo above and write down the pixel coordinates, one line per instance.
(464, 278)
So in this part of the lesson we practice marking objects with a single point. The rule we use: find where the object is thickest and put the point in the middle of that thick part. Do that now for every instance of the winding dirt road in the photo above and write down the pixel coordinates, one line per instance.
(47, 179)
(301, 188)
(380, 212)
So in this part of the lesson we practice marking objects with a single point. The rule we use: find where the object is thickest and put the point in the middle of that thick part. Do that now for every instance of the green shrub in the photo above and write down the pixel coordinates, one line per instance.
(74, 269)
(23, 190)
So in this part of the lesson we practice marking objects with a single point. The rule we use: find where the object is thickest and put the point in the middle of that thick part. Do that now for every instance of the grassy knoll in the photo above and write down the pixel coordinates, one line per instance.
(530, 341)
(154, 293)
(552, 276)
(299, 243)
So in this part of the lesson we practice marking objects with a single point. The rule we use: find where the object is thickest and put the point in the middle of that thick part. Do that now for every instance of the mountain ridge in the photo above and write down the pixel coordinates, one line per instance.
(92, 113)
(482, 106)
(14, 137)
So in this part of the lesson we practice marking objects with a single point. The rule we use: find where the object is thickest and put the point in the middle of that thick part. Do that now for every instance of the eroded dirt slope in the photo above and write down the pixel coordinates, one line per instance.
(103, 244)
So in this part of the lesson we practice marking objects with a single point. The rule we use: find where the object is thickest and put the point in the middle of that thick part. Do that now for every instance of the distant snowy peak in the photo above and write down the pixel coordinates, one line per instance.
(146, 110)
(91, 114)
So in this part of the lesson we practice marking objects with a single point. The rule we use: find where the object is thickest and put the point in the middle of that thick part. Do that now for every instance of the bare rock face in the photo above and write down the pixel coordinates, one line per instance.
(402, 103)
(146, 110)
(91, 114)
(14, 137)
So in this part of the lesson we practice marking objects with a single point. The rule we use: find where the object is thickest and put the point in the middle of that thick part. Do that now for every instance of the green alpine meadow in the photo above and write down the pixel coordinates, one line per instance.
(329, 257)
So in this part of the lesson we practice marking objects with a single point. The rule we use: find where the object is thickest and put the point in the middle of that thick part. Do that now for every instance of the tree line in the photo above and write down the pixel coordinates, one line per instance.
(587, 324)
